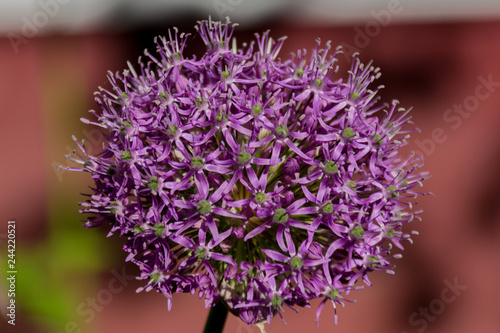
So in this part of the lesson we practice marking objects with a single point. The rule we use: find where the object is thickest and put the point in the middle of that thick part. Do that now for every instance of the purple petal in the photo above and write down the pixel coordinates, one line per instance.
(223, 212)
(222, 257)
(305, 211)
(216, 240)
(201, 184)
(302, 96)
(296, 150)
(256, 231)
(279, 237)
(275, 154)
(289, 242)
(275, 255)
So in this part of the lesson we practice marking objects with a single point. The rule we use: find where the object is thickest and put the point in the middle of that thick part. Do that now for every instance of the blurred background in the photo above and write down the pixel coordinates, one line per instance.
(439, 57)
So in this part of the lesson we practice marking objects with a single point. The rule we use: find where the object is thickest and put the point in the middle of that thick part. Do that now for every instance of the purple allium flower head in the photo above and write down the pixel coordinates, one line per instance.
(250, 180)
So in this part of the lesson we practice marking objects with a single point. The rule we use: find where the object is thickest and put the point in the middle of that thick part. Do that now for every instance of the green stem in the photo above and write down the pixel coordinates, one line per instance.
(216, 319)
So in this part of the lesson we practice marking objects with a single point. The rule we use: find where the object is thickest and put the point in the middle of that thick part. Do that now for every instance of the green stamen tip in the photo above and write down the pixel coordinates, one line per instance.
(199, 102)
(330, 167)
(328, 209)
(172, 130)
(347, 133)
(127, 123)
(280, 216)
(282, 131)
(124, 95)
(373, 260)
(159, 229)
(154, 277)
(392, 189)
(355, 95)
(377, 138)
(296, 263)
(351, 183)
(277, 301)
(334, 293)
(153, 183)
(112, 209)
(358, 231)
(257, 108)
(220, 117)
(126, 156)
(299, 72)
(390, 233)
(204, 207)
(318, 83)
(197, 162)
(201, 253)
(177, 55)
(244, 157)
(225, 74)
(260, 197)
(139, 228)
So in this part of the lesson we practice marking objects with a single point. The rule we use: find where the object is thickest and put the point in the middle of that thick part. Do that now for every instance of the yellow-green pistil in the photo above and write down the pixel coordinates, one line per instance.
(153, 183)
(244, 157)
(204, 207)
(328, 208)
(280, 216)
(276, 301)
(200, 253)
(296, 263)
(347, 132)
(330, 167)
(257, 108)
(260, 197)
(220, 117)
(334, 293)
(155, 277)
(282, 131)
(199, 102)
(392, 189)
(197, 162)
(159, 229)
(172, 130)
(126, 156)
(139, 228)
(358, 231)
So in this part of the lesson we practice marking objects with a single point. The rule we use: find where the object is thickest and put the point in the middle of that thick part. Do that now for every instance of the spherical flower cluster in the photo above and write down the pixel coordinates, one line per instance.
(250, 180)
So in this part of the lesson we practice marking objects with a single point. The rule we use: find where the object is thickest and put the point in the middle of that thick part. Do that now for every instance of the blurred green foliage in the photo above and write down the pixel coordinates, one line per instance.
(58, 273)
